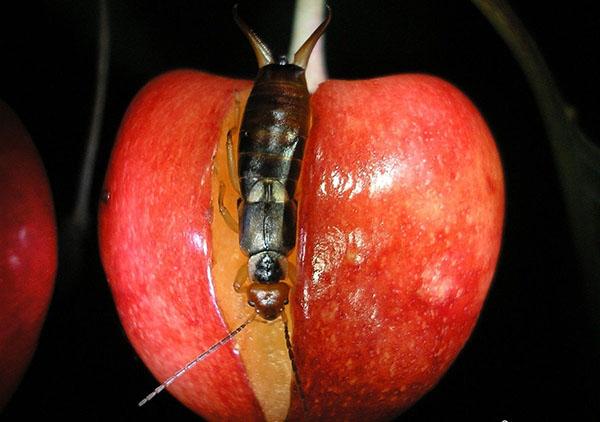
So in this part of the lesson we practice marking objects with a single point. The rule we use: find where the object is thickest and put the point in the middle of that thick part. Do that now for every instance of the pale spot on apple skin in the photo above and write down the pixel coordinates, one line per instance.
(430, 206)
(14, 262)
(12, 256)
(356, 248)
(342, 184)
(436, 287)
(356, 296)
(22, 234)
(383, 177)
(329, 251)
(330, 313)
(365, 306)
(199, 242)
(440, 351)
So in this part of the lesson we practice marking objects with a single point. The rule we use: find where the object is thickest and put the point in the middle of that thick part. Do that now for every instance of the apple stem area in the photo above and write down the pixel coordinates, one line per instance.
(308, 14)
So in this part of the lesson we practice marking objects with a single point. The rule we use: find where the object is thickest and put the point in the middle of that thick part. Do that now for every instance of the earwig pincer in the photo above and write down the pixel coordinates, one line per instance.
(272, 135)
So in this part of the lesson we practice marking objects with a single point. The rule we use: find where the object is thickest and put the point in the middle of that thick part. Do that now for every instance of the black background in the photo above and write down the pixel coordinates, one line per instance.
(532, 355)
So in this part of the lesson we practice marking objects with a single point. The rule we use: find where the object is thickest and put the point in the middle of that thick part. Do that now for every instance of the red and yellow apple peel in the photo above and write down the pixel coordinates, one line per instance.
(401, 207)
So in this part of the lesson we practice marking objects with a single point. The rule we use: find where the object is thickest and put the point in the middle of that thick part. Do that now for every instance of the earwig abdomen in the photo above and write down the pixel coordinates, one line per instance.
(272, 136)
(275, 127)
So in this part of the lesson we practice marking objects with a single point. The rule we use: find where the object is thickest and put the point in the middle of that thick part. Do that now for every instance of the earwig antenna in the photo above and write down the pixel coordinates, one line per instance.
(197, 359)
(297, 381)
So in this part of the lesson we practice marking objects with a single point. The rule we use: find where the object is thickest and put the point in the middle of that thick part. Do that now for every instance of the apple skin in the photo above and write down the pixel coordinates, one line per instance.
(400, 228)
(400, 222)
(155, 237)
(28, 250)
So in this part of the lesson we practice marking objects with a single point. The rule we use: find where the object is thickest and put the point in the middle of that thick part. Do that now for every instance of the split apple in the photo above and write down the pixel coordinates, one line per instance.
(28, 250)
(401, 204)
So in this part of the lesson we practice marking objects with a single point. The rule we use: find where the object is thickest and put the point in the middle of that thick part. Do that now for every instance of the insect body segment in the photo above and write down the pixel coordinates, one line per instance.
(272, 136)
(273, 132)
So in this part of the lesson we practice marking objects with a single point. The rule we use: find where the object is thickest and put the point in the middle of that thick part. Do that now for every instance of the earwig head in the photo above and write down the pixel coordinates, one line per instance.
(266, 293)
(268, 299)
(267, 267)
(263, 53)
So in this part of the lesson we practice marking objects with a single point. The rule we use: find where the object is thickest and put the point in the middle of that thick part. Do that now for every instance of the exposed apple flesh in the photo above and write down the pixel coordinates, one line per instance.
(401, 207)
(27, 250)
(262, 347)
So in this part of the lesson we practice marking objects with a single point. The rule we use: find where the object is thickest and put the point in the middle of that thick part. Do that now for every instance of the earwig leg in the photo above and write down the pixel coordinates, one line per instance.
(231, 223)
(231, 163)
(240, 278)
(233, 177)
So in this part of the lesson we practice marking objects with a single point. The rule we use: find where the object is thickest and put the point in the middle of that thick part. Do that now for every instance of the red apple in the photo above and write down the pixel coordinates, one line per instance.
(401, 209)
(28, 245)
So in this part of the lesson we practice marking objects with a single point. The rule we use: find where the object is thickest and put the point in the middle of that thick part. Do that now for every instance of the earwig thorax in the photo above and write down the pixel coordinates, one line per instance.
(267, 267)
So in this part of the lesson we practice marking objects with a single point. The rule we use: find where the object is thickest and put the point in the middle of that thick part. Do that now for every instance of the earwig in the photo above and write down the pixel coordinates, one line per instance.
(272, 135)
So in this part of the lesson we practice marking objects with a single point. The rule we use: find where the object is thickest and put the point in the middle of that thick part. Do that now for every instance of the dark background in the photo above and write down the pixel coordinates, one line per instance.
(532, 355)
